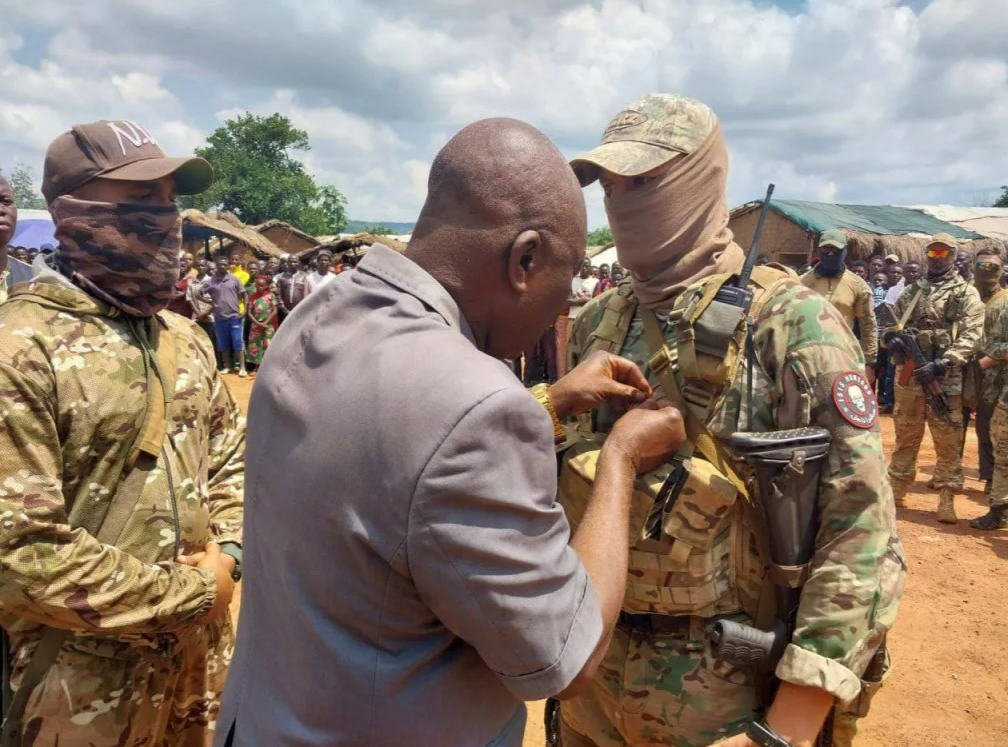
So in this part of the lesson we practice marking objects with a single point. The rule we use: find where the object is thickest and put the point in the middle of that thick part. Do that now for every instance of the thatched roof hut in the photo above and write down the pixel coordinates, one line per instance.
(793, 227)
(357, 245)
(198, 230)
(290, 239)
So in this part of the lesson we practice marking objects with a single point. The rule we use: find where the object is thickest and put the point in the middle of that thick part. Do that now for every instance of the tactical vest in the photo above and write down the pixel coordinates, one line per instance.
(937, 323)
(702, 556)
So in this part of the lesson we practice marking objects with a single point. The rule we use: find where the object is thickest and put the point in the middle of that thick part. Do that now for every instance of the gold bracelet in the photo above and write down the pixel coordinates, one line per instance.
(541, 393)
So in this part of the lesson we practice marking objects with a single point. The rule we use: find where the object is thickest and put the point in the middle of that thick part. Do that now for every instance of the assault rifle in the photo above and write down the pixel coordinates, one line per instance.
(905, 340)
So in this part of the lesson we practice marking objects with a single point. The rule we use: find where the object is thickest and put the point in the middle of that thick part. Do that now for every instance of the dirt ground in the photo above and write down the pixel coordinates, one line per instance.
(949, 683)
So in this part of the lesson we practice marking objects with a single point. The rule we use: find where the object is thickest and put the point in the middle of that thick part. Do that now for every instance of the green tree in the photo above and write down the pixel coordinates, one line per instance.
(257, 176)
(600, 237)
(22, 181)
(379, 231)
(1003, 200)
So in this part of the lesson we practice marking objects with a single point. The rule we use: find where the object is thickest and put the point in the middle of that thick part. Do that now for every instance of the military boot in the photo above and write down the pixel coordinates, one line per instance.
(899, 496)
(987, 487)
(946, 506)
(932, 484)
(996, 518)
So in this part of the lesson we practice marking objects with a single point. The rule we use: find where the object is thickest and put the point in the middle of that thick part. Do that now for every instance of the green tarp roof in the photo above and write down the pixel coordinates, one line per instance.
(877, 219)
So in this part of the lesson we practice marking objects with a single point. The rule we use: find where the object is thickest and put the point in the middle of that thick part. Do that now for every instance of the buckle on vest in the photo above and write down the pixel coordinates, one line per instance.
(696, 396)
(660, 360)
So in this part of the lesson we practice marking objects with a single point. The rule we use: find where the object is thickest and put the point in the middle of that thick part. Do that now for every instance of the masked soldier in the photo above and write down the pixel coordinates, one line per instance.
(121, 464)
(992, 409)
(849, 294)
(948, 315)
(663, 166)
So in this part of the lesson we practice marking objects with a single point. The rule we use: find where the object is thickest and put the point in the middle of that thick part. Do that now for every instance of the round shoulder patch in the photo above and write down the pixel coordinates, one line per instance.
(854, 398)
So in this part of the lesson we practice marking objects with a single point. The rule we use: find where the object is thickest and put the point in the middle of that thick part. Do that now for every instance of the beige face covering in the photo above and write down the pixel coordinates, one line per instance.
(673, 231)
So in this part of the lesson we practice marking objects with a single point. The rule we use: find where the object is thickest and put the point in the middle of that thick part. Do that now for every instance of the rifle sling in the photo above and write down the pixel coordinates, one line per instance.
(107, 532)
(699, 435)
(909, 310)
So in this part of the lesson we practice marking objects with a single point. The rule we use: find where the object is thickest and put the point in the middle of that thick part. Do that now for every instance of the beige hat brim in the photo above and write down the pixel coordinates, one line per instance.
(192, 175)
(832, 242)
(626, 158)
(941, 242)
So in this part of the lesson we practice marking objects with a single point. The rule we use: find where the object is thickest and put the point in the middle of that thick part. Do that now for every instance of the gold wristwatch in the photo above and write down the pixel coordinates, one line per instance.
(541, 393)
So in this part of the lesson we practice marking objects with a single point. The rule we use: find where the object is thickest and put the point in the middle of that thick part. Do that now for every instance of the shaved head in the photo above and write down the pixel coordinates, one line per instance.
(503, 229)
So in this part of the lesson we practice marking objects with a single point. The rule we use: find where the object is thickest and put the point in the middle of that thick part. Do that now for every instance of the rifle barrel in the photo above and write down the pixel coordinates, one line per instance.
(743, 281)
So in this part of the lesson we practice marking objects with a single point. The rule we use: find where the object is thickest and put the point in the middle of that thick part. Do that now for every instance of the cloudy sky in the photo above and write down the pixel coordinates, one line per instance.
(837, 100)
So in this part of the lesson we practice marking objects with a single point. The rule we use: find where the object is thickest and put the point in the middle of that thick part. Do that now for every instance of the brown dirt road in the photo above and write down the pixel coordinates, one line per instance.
(949, 684)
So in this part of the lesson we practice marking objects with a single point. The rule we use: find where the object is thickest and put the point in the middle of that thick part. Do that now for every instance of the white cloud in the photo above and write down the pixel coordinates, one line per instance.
(850, 100)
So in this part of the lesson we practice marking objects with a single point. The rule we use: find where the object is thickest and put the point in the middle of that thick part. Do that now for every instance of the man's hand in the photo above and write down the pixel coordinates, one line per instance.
(646, 437)
(600, 377)
(222, 566)
(988, 362)
(869, 373)
(931, 370)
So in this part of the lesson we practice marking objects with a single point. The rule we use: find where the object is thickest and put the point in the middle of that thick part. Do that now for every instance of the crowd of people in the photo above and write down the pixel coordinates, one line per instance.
(446, 542)
(240, 307)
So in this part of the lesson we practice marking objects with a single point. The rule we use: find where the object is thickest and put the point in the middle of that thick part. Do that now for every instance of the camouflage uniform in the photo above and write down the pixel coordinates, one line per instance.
(950, 316)
(661, 686)
(84, 391)
(851, 296)
(994, 391)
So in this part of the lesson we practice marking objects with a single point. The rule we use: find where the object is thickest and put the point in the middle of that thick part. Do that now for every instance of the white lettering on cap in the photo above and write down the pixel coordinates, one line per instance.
(136, 135)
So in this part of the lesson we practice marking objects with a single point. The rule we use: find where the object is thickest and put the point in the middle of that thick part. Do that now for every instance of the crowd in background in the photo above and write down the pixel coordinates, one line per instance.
(241, 306)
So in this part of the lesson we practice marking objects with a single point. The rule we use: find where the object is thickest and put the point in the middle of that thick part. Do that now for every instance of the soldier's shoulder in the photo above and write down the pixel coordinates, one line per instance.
(25, 323)
(972, 294)
(188, 332)
(857, 282)
(998, 301)
(592, 312)
(803, 315)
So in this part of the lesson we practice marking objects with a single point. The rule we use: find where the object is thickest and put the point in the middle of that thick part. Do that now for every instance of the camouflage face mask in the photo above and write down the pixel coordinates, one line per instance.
(126, 254)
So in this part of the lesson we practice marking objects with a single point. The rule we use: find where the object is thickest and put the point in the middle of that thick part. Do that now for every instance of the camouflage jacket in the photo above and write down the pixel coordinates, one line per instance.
(952, 307)
(995, 345)
(82, 394)
(852, 297)
(803, 345)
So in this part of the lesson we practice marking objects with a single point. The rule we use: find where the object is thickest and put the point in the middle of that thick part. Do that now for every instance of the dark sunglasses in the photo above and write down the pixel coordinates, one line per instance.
(988, 266)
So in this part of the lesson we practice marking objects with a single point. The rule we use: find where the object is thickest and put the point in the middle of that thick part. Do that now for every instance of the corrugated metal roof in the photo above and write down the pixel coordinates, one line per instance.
(882, 220)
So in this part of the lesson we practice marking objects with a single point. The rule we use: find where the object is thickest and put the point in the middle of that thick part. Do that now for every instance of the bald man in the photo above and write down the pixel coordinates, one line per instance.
(409, 577)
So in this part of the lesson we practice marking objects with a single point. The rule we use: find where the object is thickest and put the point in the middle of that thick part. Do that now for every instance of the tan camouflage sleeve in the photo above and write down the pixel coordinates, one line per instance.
(864, 312)
(64, 577)
(970, 330)
(226, 465)
(858, 570)
(996, 329)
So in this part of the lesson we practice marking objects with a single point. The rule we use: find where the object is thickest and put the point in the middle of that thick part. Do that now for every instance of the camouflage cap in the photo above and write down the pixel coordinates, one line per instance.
(833, 237)
(646, 134)
(944, 239)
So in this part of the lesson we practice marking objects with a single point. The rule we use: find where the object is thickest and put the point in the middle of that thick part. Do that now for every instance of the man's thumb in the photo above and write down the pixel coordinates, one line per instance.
(626, 392)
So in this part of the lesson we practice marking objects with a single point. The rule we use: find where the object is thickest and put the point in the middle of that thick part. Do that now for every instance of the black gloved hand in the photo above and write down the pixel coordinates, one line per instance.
(932, 370)
(892, 342)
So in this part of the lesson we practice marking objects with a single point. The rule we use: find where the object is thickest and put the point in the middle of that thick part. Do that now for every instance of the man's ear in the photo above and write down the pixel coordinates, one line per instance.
(524, 253)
